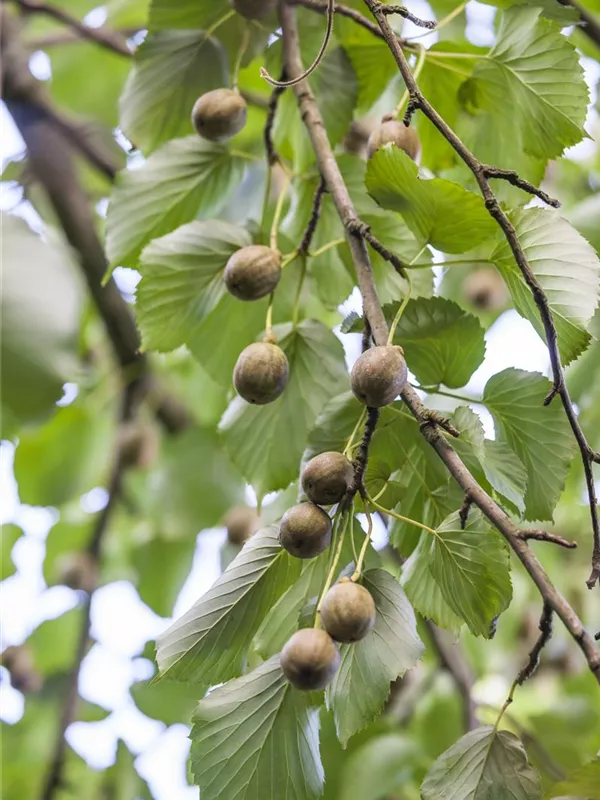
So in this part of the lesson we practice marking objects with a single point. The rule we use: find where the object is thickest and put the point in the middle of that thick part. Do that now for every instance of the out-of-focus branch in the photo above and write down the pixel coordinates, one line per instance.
(50, 158)
(70, 36)
(452, 659)
(105, 37)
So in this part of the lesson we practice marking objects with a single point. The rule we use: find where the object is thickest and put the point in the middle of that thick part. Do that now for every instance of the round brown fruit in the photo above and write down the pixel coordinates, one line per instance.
(241, 522)
(394, 132)
(327, 477)
(379, 375)
(24, 676)
(357, 138)
(261, 373)
(305, 530)
(219, 115)
(252, 272)
(486, 289)
(348, 612)
(254, 9)
(310, 659)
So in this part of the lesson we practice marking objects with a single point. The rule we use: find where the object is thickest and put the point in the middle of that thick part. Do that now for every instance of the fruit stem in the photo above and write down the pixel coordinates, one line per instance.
(266, 198)
(239, 57)
(277, 214)
(363, 550)
(358, 425)
(417, 71)
(399, 517)
(453, 395)
(269, 337)
(352, 542)
(401, 308)
(296, 308)
(334, 563)
(326, 247)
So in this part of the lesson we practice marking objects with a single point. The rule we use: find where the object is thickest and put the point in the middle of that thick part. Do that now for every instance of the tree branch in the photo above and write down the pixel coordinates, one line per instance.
(313, 220)
(372, 308)
(109, 39)
(132, 396)
(544, 536)
(51, 161)
(453, 661)
(590, 25)
(481, 173)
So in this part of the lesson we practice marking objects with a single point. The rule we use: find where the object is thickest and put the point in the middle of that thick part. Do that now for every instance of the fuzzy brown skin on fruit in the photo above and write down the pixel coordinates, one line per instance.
(254, 9)
(357, 139)
(327, 477)
(219, 115)
(241, 522)
(310, 659)
(379, 375)
(397, 133)
(252, 272)
(486, 290)
(305, 530)
(261, 373)
(348, 612)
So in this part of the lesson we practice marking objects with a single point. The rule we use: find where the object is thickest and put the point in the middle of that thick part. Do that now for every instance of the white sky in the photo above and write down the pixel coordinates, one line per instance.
(121, 623)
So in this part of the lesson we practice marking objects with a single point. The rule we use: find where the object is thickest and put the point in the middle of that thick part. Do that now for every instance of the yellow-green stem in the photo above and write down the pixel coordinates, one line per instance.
(331, 574)
(400, 517)
(358, 425)
(363, 550)
(269, 321)
(296, 308)
(326, 247)
(417, 71)
(277, 214)
(400, 311)
(240, 56)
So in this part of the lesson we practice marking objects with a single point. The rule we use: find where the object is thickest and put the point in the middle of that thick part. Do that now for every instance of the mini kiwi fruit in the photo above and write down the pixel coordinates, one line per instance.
(261, 373)
(252, 272)
(379, 375)
(305, 530)
(394, 132)
(327, 477)
(348, 611)
(220, 114)
(309, 659)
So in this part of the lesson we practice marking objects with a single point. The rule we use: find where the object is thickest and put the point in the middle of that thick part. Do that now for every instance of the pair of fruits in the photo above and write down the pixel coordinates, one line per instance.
(262, 370)
(310, 658)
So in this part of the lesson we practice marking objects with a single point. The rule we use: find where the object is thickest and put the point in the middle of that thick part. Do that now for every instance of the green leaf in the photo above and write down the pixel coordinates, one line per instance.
(361, 686)
(472, 568)
(167, 701)
(505, 471)
(162, 567)
(10, 535)
(443, 344)
(185, 179)
(583, 782)
(190, 487)
(182, 280)
(484, 763)
(268, 740)
(371, 60)
(437, 211)
(171, 70)
(186, 14)
(207, 645)
(54, 643)
(549, 8)
(568, 270)
(64, 458)
(253, 435)
(333, 425)
(523, 78)
(539, 435)
(40, 320)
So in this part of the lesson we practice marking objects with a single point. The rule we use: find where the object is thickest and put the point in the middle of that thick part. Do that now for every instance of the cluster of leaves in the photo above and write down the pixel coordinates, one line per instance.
(176, 214)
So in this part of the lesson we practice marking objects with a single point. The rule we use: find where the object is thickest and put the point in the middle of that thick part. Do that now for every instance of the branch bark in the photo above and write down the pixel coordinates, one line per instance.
(481, 173)
(372, 309)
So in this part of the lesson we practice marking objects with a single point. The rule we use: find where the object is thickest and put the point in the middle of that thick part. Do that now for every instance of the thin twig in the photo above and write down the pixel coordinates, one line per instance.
(360, 228)
(513, 178)
(132, 396)
(313, 220)
(480, 171)
(109, 39)
(384, 8)
(545, 626)
(344, 11)
(362, 454)
(373, 312)
(544, 536)
(272, 154)
(70, 36)
(463, 511)
(590, 25)
(452, 659)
